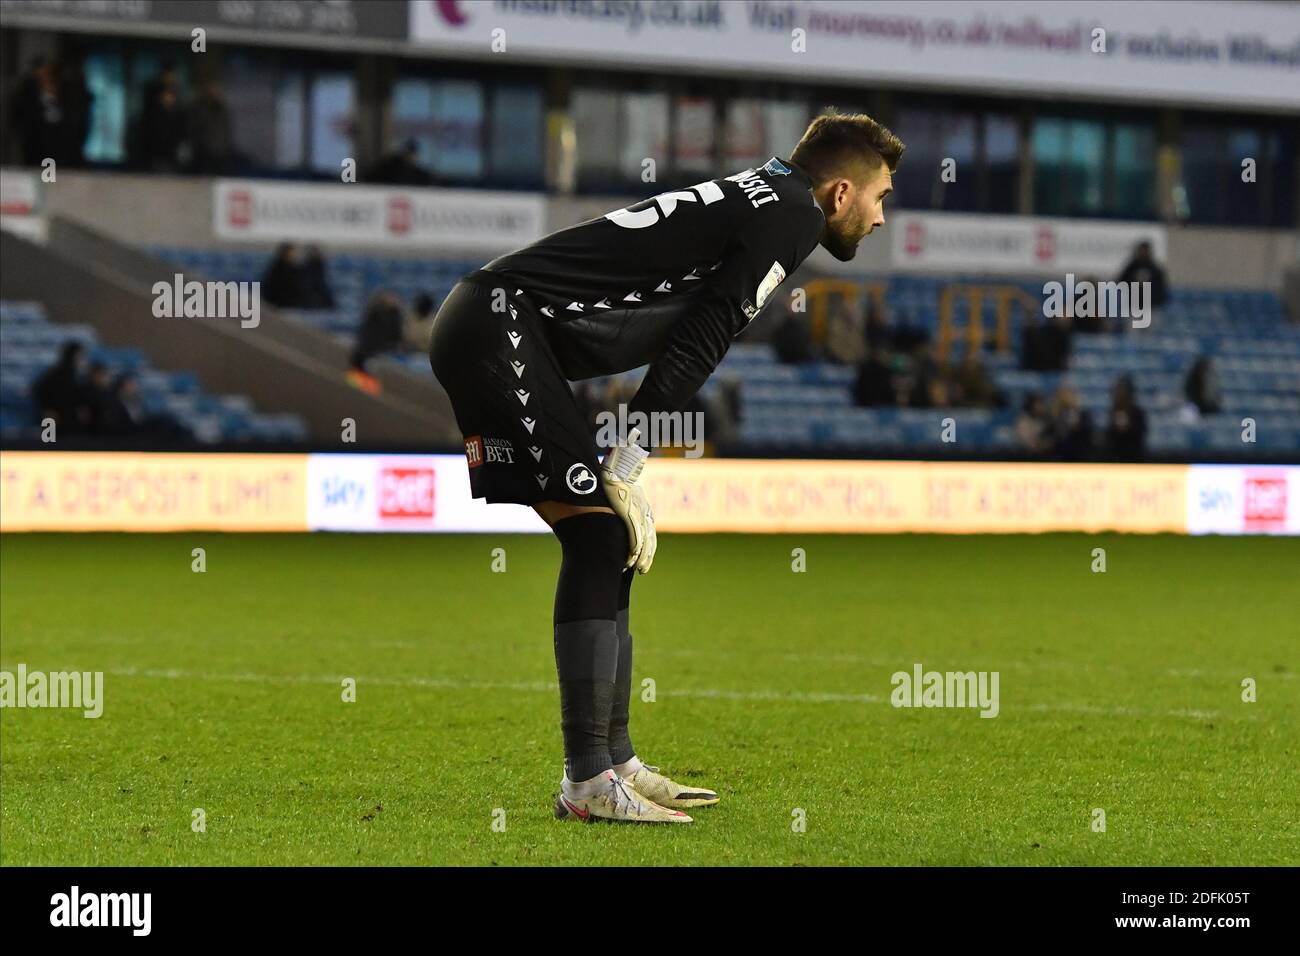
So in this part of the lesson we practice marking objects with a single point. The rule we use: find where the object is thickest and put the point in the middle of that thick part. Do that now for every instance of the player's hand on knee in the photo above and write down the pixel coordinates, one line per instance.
(618, 476)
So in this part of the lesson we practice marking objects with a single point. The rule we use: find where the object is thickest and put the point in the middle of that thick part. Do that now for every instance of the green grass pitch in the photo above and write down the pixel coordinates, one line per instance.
(1119, 690)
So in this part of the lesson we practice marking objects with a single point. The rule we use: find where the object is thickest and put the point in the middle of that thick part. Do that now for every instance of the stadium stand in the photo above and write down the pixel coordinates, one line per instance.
(29, 344)
(809, 406)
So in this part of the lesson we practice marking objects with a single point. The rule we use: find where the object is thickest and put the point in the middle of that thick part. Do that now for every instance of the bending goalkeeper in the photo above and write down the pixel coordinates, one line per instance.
(667, 282)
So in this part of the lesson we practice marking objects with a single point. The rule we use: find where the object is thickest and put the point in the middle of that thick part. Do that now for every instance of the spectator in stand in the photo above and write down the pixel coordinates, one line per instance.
(1033, 428)
(1202, 387)
(1126, 424)
(908, 335)
(1072, 431)
(210, 133)
(163, 141)
(316, 291)
(97, 400)
(845, 336)
(792, 338)
(77, 101)
(57, 393)
(972, 387)
(873, 386)
(126, 416)
(1142, 267)
(727, 411)
(1088, 324)
(284, 283)
(876, 331)
(1045, 347)
(401, 168)
(925, 382)
(419, 324)
(380, 332)
(38, 116)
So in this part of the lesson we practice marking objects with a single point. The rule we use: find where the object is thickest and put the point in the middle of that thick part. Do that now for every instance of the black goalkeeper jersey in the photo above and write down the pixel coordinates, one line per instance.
(669, 281)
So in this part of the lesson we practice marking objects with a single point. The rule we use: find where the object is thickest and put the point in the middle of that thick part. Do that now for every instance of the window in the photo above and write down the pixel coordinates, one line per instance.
(106, 79)
(1135, 170)
(644, 134)
(1094, 167)
(331, 121)
(518, 149)
(266, 110)
(693, 136)
(934, 136)
(756, 129)
(446, 120)
(596, 122)
(1213, 153)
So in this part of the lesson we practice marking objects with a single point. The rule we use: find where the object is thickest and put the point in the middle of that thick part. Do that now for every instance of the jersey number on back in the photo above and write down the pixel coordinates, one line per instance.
(657, 208)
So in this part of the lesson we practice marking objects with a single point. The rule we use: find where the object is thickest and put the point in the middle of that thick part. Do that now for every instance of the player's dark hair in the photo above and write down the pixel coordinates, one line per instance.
(846, 144)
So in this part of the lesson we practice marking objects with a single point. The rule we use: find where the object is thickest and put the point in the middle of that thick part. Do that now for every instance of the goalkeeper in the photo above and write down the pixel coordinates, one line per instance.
(667, 282)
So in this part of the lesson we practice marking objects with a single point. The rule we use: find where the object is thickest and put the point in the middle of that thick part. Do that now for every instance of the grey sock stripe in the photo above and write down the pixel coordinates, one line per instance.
(587, 650)
(622, 623)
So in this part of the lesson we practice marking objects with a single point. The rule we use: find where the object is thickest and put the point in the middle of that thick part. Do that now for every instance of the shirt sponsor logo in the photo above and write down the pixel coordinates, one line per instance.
(474, 451)
(498, 451)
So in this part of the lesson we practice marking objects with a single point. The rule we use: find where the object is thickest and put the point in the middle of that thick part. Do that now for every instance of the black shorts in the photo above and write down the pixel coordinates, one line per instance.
(526, 438)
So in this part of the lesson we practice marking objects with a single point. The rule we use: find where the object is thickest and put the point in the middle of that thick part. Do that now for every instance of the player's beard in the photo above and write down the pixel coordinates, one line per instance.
(841, 239)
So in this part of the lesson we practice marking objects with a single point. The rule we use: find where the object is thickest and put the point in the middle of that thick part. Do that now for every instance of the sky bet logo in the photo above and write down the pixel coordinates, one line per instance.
(103, 909)
(406, 493)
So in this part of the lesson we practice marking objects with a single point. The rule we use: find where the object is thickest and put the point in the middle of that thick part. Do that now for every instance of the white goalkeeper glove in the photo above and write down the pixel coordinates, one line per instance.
(618, 476)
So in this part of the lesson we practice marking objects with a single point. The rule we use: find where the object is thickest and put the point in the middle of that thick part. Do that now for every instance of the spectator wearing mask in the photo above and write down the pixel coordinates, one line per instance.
(1126, 423)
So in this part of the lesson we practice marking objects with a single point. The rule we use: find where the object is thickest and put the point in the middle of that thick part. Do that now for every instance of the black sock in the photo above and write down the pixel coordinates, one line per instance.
(620, 744)
(586, 636)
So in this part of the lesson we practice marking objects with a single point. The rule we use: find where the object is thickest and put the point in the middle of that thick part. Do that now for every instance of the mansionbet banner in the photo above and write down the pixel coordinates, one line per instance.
(1017, 245)
(1238, 55)
(347, 212)
(62, 491)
